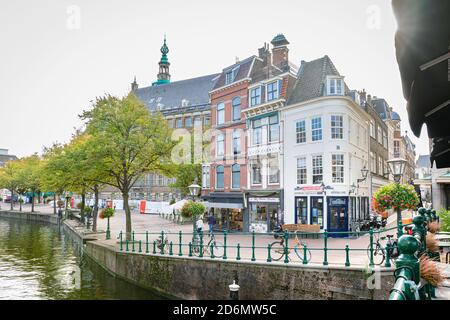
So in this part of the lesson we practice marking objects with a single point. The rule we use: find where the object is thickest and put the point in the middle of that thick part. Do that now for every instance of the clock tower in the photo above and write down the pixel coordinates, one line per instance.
(163, 75)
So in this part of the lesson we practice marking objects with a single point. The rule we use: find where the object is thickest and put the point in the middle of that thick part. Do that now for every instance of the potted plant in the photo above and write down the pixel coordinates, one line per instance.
(107, 213)
(192, 210)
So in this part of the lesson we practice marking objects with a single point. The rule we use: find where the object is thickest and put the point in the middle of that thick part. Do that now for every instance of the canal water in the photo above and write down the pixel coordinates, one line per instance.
(40, 261)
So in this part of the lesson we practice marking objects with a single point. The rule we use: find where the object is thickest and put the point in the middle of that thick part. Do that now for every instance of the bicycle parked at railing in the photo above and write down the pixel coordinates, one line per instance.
(212, 244)
(379, 250)
(160, 241)
(278, 249)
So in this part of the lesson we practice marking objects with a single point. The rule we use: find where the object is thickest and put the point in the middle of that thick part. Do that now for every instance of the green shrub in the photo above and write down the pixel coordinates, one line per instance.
(172, 201)
(444, 219)
(192, 209)
(87, 210)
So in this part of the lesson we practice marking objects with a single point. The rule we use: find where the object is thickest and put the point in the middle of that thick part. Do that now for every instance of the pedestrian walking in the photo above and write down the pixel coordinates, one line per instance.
(199, 224)
(211, 222)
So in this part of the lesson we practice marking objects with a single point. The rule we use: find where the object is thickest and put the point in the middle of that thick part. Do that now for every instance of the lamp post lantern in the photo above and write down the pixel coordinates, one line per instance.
(397, 168)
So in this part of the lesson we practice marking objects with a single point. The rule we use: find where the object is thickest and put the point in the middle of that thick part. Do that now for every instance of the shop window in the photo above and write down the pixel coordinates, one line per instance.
(258, 217)
(317, 211)
(301, 210)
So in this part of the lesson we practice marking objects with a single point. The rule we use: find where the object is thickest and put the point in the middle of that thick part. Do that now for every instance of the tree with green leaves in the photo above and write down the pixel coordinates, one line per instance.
(129, 141)
(29, 176)
(9, 178)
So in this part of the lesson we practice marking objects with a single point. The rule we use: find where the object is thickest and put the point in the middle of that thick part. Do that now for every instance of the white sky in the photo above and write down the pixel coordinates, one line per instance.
(51, 67)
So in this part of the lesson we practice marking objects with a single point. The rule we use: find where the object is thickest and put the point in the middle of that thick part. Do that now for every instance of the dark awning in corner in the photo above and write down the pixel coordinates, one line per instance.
(440, 152)
(422, 48)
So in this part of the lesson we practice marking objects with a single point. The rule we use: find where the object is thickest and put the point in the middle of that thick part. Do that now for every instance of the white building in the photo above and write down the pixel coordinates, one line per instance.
(325, 136)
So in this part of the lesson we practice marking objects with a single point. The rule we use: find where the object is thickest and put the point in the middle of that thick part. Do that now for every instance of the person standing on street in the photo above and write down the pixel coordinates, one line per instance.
(211, 222)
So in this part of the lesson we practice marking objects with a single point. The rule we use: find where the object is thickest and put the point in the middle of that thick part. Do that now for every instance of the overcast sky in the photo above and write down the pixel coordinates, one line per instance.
(56, 55)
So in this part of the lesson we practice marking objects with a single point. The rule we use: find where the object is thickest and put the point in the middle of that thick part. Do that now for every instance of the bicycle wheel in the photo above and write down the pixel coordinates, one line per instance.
(217, 248)
(299, 251)
(378, 254)
(276, 250)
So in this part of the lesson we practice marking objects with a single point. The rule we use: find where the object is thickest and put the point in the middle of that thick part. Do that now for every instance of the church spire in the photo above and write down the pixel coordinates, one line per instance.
(163, 75)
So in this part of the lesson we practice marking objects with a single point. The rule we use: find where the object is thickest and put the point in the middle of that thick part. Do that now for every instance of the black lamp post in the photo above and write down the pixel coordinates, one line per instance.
(397, 168)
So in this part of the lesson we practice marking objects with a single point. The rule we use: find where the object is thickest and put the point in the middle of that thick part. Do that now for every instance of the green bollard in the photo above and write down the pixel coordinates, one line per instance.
(190, 249)
(120, 241)
(347, 256)
(201, 245)
(269, 258)
(238, 257)
(146, 242)
(170, 249)
(180, 252)
(253, 246)
(387, 264)
(305, 252)
(225, 245)
(154, 247)
(325, 248)
(286, 247)
(371, 263)
(162, 242)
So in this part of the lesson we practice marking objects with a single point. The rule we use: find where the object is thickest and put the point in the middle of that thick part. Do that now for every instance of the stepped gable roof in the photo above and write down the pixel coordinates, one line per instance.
(178, 94)
(311, 79)
(242, 73)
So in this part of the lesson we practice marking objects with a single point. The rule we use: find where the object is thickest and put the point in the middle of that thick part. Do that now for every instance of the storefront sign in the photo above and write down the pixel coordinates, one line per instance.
(262, 199)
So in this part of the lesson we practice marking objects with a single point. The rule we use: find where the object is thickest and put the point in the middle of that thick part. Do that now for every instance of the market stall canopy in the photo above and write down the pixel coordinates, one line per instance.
(422, 49)
(178, 205)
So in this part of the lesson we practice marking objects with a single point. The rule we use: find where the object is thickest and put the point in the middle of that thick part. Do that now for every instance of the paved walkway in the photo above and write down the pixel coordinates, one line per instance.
(154, 224)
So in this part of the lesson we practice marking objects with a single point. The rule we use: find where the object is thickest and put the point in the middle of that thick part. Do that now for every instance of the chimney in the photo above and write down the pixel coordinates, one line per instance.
(265, 55)
(363, 95)
(280, 52)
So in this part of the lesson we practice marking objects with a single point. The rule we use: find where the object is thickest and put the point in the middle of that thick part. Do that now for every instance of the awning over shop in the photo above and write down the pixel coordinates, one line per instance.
(225, 200)
(224, 205)
(422, 49)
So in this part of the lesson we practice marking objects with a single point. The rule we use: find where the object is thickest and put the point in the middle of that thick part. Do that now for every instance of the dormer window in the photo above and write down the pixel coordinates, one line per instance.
(335, 86)
(272, 91)
(255, 96)
(231, 75)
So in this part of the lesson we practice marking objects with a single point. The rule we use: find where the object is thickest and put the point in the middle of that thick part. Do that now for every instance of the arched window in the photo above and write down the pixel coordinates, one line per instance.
(235, 176)
(236, 104)
(219, 177)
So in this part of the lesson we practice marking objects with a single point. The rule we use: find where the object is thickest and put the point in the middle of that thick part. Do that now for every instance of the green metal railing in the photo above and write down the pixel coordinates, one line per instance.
(251, 246)
(411, 247)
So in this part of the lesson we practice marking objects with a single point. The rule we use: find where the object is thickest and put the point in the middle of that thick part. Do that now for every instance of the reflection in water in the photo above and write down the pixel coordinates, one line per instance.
(39, 261)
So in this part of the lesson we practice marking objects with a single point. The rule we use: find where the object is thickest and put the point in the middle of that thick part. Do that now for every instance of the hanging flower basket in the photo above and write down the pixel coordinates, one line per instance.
(395, 196)
(106, 213)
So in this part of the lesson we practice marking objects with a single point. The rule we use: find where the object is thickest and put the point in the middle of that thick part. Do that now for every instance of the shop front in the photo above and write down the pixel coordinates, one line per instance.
(265, 211)
(228, 210)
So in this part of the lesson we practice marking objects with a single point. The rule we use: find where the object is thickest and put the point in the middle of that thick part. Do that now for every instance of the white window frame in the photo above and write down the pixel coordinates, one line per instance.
(337, 84)
(342, 166)
(313, 167)
(303, 167)
(316, 129)
(297, 133)
(256, 97)
(337, 127)
(220, 108)
(220, 140)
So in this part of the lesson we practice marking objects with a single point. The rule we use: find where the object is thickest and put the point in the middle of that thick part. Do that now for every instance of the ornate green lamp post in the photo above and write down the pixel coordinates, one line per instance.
(397, 168)
(194, 189)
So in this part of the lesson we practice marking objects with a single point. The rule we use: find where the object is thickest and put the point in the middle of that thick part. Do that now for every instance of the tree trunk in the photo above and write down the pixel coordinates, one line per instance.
(95, 211)
(83, 201)
(12, 200)
(20, 206)
(32, 202)
(54, 202)
(126, 207)
(39, 197)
